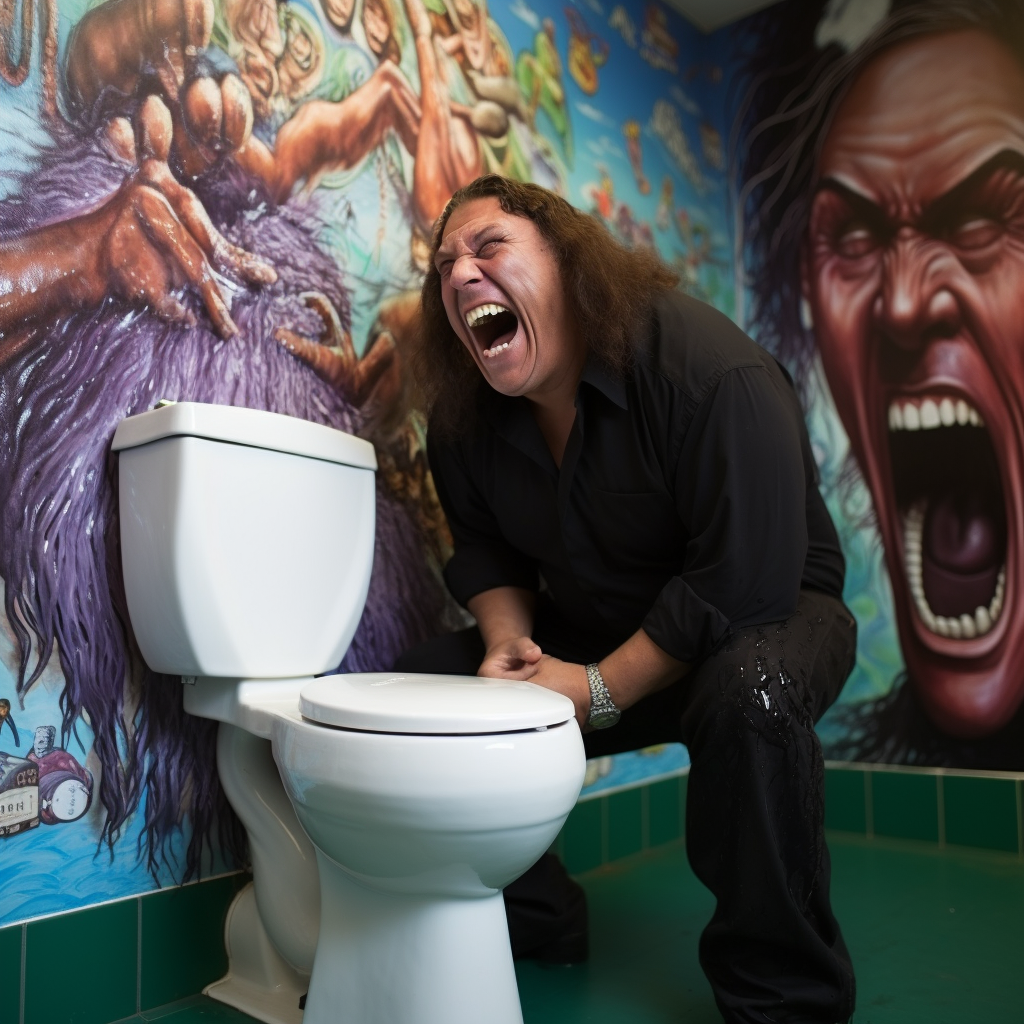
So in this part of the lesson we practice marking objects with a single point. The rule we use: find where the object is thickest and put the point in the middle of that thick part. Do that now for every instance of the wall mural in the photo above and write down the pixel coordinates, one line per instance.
(231, 202)
(879, 202)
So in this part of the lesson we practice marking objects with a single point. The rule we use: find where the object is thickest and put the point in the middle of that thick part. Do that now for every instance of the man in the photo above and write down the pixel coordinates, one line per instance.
(891, 239)
(636, 522)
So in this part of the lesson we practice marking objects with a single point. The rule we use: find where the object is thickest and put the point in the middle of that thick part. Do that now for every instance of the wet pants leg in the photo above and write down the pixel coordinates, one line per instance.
(755, 816)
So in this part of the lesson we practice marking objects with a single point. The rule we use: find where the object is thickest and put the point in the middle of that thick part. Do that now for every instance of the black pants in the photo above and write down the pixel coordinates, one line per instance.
(773, 951)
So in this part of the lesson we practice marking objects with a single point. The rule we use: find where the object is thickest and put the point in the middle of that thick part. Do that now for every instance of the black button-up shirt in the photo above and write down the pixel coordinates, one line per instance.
(686, 504)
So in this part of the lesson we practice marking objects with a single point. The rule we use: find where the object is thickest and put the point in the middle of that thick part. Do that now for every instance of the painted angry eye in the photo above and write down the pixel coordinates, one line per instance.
(854, 240)
(976, 233)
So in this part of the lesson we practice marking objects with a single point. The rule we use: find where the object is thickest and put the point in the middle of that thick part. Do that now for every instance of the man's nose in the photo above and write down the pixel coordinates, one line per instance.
(464, 271)
(916, 304)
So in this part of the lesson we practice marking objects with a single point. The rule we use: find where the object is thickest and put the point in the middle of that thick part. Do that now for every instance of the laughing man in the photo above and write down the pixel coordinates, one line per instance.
(637, 525)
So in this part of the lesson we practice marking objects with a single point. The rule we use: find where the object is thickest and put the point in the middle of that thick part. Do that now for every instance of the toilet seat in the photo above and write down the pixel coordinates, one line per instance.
(425, 704)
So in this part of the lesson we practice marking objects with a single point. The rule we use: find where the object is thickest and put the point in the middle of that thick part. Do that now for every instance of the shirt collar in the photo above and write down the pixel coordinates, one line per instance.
(596, 375)
(504, 412)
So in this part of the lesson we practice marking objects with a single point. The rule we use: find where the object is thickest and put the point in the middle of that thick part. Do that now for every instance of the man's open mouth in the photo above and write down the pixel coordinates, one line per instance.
(493, 326)
(950, 500)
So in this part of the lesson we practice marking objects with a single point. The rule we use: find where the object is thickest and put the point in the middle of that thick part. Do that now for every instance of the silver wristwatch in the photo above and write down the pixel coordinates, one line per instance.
(603, 712)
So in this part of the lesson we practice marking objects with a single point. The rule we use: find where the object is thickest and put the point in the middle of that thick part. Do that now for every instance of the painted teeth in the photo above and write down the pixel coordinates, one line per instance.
(964, 627)
(492, 352)
(474, 316)
(929, 413)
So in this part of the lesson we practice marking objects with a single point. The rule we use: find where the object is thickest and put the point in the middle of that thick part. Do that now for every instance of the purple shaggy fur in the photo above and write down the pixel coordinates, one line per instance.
(59, 534)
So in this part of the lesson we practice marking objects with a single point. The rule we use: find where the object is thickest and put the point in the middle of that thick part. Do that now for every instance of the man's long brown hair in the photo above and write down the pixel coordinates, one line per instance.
(610, 291)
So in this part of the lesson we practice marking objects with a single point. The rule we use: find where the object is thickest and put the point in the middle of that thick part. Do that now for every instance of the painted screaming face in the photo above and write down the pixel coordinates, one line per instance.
(913, 268)
(502, 290)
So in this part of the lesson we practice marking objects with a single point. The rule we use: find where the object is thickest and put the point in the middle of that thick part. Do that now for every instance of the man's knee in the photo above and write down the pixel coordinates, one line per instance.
(745, 689)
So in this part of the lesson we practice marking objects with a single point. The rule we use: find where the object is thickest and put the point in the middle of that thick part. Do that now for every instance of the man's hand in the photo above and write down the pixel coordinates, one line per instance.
(566, 678)
(517, 658)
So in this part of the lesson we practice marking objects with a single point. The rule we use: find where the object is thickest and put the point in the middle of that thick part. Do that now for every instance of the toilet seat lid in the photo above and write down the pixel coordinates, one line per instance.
(393, 702)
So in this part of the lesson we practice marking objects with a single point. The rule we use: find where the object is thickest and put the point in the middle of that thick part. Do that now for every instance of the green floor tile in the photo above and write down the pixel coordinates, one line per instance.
(183, 939)
(581, 836)
(935, 936)
(625, 823)
(981, 812)
(80, 968)
(195, 1010)
(10, 974)
(665, 819)
(844, 800)
(905, 805)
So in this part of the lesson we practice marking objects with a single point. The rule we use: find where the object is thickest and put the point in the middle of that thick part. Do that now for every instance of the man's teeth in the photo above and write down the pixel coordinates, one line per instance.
(964, 627)
(929, 413)
(492, 352)
(475, 316)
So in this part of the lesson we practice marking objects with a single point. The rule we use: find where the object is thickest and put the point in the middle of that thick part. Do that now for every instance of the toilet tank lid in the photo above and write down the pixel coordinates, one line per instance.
(252, 427)
(421, 704)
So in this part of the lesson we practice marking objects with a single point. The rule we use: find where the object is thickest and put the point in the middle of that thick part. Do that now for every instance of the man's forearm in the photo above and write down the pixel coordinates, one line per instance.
(639, 668)
(504, 613)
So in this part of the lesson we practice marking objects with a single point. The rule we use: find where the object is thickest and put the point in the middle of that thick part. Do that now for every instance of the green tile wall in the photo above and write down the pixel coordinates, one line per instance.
(108, 962)
(625, 823)
(981, 812)
(905, 805)
(188, 919)
(82, 968)
(582, 838)
(10, 974)
(962, 809)
(966, 809)
(845, 806)
(665, 802)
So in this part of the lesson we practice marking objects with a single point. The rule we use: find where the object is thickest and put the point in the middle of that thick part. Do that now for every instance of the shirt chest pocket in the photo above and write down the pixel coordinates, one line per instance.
(638, 530)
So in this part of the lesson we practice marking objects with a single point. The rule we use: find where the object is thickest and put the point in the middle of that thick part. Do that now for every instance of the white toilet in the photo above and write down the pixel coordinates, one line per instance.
(247, 543)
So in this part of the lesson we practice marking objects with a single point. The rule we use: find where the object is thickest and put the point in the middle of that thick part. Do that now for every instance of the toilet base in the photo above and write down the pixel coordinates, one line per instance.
(391, 959)
(259, 982)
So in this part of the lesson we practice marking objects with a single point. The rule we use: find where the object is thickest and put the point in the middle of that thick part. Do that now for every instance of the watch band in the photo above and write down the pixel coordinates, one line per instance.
(603, 712)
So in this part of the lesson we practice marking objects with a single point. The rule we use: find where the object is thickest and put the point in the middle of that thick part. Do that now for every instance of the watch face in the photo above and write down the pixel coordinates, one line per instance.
(603, 719)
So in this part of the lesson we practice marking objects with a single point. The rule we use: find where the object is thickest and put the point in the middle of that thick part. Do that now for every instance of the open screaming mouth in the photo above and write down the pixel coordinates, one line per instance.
(950, 500)
(493, 327)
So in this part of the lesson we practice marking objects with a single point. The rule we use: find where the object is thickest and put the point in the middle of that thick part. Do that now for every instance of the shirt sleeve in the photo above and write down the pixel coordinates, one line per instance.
(739, 487)
(483, 559)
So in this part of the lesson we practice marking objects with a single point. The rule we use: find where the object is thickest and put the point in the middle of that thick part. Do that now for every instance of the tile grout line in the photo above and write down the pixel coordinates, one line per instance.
(24, 972)
(869, 807)
(940, 796)
(645, 818)
(682, 789)
(1020, 820)
(138, 958)
(604, 830)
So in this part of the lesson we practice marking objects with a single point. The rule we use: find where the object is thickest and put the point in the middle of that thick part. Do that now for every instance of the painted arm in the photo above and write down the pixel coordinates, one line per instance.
(136, 246)
(447, 154)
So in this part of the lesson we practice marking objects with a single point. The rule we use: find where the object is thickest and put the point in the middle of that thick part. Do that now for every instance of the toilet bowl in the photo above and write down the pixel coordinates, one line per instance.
(385, 812)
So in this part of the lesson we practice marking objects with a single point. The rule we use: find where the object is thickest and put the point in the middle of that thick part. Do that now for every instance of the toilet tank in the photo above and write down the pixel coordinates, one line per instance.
(246, 540)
